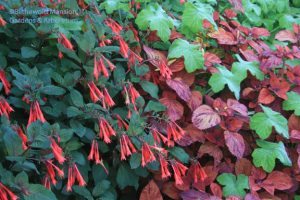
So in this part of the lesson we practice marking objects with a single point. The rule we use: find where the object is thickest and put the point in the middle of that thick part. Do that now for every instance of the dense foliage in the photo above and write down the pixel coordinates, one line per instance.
(141, 99)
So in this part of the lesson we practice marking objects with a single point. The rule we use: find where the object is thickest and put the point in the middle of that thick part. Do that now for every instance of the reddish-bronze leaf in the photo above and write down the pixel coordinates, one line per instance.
(212, 150)
(205, 117)
(155, 57)
(280, 86)
(265, 96)
(188, 78)
(195, 134)
(243, 166)
(258, 32)
(286, 35)
(216, 136)
(238, 107)
(181, 88)
(237, 4)
(151, 192)
(223, 37)
(210, 59)
(235, 143)
(195, 101)
(170, 190)
(176, 65)
(174, 108)
(277, 180)
(294, 122)
(193, 195)
(216, 190)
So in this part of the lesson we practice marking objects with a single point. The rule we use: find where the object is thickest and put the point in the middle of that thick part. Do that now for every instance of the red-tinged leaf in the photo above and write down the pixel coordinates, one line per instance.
(155, 57)
(233, 124)
(210, 59)
(265, 96)
(249, 55)
(234, 198)
(212, 150)
(170, 190)
(195, 134)
(252, 197)
(277, 181)
(237, 4)
(295, 134)
(174, 108)
(237, 107)
(153, 37)
(279, 86)
(216, 136)
(193, 195)
(188, 78)
(151, 192)
(235, 143)
(176, 65)
(175, 35)
(195, 101)
(181, 88)
(205, 117)
(186, 140)
(230, 13)
(258, 32)
(223, 37)
(216, 190)
(286, 35)
(294, 122)
(243, 166)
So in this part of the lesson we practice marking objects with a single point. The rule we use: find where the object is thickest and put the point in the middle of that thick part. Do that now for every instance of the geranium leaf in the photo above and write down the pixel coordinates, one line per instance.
(111, 5)
(244, 66)
(263, 122)
(154, 17)
(233, 185)
(266, 155)
(233, 80)
(193, 57)
(292, 103)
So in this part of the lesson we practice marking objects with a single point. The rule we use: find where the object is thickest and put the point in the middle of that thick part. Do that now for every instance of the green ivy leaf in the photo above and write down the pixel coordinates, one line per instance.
(154, 17)
(266, 155)
(193, 57)
(252, 67)
(292, 103)
(233, 185)
(193, 16)
(263, 122)
(232, 78)
(126, 177)
(112, 5)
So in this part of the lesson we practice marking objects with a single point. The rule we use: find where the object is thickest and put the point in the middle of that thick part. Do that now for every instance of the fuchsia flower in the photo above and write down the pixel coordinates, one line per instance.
(4, 80)
(179, 171)
(35, 113)
(127, 148)
(174, 131)
(115, 27)
(147, 155)
(2, 22)
(5, 108)
(95, 93)
(73, 175)
(105, 130)
(4, 191)
(62, 39)
(57, 151)
(165, 173)
(21, 135)
(197, 172)
(51, 173)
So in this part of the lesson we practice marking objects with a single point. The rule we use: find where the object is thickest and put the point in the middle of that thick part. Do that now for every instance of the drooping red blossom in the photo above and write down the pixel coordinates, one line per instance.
(107, 101)
(115, 27)
(123, 46)
(174, 131)
(179, 171)
(197, 172)
(5, 108)
(95, 93)
(121, 122)
(133, 57)
(147, 155)
(73, 175)
(2, 22)
(4, 191)
(99, 67)
(35, 113)
(46, 182)
(126, 147)
(165, 173)
(165, 71)
(62, 39)
(22, 135)
(157, 136)
(41, 4)
(105, 130)
(110, 64)
(133, 93)
(51, 173)
(5, 82)
(57, 151)
(60, 55)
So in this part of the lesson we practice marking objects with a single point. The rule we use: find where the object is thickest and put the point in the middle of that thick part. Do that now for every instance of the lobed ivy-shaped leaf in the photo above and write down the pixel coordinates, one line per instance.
(112, 5)
(193, 57)
(292, 103)
(155, 18)
(266, 155)
(233, 185)
(263, 122)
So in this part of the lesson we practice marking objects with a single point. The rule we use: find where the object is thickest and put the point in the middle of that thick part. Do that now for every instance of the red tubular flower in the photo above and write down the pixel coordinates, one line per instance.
(197, 172)
(78, 176)
(174, 131)
(123, 46)
(121, 122)
(115, 27)
(105, 130)
(71, 178)
(5, 108)
(94, 153)
(46, 182)
(51, 172)
(57, 151)
(132, 58)
(41, 4)
(4, 191)
(21, 135)
(60, 55)
(127, 148)
(157, 136)
(182, 1)
(2, 22)
(35, 113)
(134, 94)
(165, 71)
(111, 66)
(4, 80)
(107, 100)
(62, 39)
(147, 154)
(127, 101)
(179, 171)
(165, 173)
(95, 93)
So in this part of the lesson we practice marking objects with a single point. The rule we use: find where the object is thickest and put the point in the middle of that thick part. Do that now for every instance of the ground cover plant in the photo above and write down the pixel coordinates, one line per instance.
(140, 99)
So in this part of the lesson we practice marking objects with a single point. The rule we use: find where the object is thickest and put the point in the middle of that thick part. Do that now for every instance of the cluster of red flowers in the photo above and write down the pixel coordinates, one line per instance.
(4, 191)
(73, 175)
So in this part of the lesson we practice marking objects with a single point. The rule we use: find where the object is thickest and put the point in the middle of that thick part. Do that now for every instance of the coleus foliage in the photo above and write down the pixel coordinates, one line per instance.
(141, 95)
